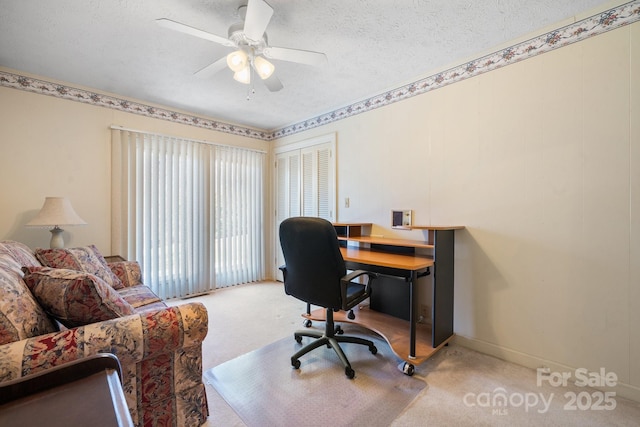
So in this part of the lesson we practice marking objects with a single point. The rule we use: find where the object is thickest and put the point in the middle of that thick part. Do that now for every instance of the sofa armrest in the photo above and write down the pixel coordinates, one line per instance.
(128, 272)
(160, 352)
(132, 339)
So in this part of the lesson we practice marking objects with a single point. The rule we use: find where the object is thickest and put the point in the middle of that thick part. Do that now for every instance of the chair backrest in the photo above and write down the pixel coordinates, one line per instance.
(314, 264)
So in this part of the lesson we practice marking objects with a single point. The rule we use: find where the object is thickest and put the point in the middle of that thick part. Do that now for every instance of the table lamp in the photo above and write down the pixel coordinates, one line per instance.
(55, 212)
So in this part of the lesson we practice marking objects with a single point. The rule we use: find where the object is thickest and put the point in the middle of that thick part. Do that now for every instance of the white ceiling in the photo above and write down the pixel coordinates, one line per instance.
(372, 46)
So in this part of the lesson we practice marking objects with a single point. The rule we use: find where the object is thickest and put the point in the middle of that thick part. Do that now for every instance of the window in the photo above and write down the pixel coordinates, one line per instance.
(190, 212)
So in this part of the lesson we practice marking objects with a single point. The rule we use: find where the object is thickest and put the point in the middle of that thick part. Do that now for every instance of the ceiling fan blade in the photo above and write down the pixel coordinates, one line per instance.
(296, 55)
(257, 18)
(212, 69)
(177, 26)
(273, 83)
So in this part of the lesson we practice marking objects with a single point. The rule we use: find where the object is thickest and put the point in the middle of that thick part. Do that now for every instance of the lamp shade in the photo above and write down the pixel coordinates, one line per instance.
(263, 67)
(243, 76)
(56, 211)
(237, 60)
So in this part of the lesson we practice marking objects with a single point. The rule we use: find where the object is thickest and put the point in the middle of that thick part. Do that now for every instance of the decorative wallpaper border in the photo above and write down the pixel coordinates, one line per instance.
(61, 91)
(611, 19)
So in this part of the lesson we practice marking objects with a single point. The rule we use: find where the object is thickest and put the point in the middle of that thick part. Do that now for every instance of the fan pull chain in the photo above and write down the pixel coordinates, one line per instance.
(251, 91)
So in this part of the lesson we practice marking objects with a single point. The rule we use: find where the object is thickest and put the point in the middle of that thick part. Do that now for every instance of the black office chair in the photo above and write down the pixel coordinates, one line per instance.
(315, 273)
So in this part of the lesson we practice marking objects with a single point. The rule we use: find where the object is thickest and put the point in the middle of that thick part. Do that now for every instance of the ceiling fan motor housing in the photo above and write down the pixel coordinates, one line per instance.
(237, 35)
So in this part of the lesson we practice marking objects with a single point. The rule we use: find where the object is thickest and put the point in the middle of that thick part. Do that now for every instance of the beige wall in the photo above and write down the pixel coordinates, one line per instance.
(55, 147)
(540, 161)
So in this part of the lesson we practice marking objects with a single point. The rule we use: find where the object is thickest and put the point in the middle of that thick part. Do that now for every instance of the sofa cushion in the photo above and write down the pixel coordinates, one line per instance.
(20, 252)
(87, 259)
(20, 315)
(127, 271)
(75, 298)
(139, 296)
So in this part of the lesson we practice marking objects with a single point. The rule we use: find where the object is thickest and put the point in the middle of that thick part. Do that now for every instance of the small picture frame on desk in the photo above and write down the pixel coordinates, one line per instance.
(401, 219)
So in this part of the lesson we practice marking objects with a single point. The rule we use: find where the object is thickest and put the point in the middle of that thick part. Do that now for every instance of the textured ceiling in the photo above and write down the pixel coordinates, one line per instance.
(372, 46)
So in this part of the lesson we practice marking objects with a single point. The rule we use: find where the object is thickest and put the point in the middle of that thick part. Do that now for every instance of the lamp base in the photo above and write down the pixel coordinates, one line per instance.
(57, 242)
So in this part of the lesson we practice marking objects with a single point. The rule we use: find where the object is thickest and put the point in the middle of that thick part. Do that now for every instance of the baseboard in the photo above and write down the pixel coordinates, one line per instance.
(621, 389)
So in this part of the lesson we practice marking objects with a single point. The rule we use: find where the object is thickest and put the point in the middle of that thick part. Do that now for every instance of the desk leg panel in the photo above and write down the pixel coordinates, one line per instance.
(443, 287)
(412, 315)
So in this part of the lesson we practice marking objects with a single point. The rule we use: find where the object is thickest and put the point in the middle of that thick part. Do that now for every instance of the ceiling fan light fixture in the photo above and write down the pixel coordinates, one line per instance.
(243, 76)
(263, 67)
(252, 49)
(237, 60)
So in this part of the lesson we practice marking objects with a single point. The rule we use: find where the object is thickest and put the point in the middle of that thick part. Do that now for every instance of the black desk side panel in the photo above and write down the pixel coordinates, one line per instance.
(443, 286)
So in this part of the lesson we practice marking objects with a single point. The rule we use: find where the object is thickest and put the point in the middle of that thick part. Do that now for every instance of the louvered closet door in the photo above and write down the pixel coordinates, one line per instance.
(317, 192)
(288, 189)
(305, 187)
(287, 195)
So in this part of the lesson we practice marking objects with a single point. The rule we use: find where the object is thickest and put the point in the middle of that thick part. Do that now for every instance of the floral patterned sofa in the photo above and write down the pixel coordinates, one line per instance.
(60, 305)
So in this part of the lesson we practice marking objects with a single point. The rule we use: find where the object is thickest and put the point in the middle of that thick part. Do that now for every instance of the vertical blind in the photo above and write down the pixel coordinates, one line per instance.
(190, 212)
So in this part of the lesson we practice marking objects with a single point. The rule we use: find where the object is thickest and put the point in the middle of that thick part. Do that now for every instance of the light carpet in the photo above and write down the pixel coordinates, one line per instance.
(264, 390)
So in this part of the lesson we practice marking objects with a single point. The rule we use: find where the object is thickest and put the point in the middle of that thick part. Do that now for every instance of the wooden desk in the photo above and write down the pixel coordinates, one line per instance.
(386, 259)
(398, 258)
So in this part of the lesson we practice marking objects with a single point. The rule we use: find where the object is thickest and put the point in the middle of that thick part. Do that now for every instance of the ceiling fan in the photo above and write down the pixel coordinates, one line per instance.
(252, 47)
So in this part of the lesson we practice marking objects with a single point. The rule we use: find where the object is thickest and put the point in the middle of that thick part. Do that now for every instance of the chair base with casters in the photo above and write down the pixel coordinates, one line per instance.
(329, 338)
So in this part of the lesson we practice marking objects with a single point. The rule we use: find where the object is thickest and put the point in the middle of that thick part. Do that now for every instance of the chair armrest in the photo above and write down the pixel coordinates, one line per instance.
(128, 272)
(57, 376)
(357, 273)
(352, 293)
(283, 268)
(132, 339)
